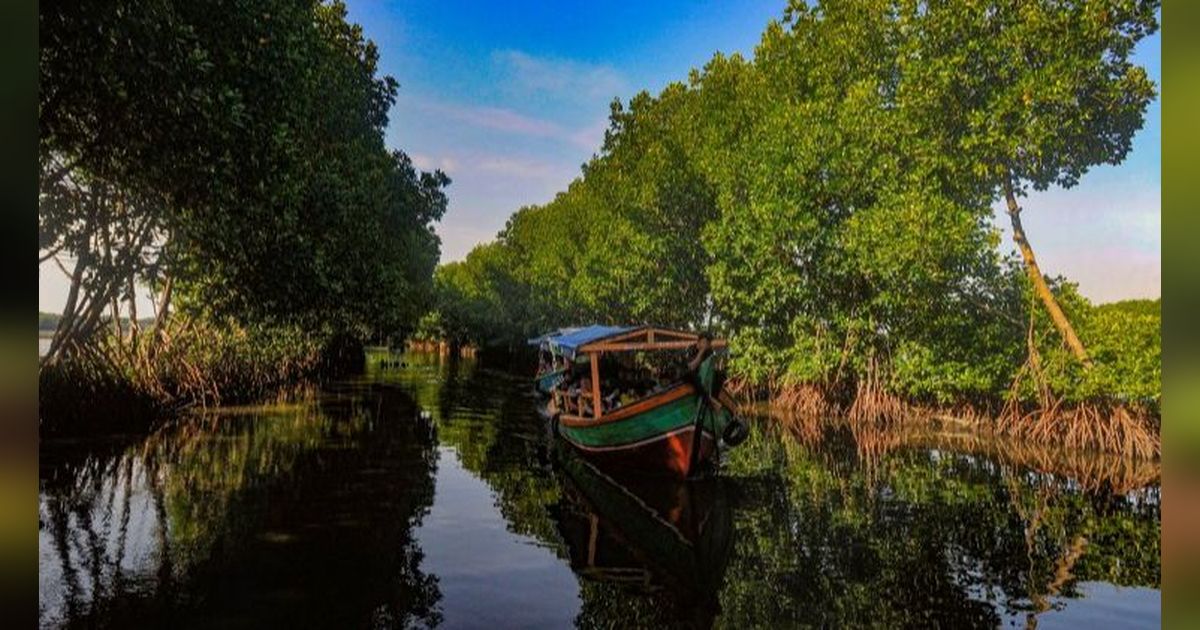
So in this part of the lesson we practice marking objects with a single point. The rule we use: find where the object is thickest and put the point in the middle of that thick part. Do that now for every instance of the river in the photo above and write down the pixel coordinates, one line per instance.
(432, 495)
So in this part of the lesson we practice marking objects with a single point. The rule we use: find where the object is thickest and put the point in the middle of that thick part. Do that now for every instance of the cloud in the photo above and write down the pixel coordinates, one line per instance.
(1108, 273)
(472, 164)
(516, 167)
(509, 121)
(495, 118)
(558, 78)
(489, 188)
(460, 237)
(427, 163)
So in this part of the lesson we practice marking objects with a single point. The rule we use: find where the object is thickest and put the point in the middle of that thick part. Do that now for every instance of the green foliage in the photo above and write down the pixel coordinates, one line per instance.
(621, 244)
(1041, 91)
(1125, 339)
(248, 136)
(828, 204)
(106, 385)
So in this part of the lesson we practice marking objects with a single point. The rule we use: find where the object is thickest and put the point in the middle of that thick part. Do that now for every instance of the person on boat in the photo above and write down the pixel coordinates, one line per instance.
(610, 401)
(583, 396)
(703, 348)
(567, 390)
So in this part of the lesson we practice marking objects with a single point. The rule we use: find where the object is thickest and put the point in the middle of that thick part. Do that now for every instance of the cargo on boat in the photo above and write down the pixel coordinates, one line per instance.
(551, 366)
(641, 397)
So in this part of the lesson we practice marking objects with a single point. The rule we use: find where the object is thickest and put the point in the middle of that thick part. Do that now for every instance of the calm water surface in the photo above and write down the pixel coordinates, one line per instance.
(431, 495)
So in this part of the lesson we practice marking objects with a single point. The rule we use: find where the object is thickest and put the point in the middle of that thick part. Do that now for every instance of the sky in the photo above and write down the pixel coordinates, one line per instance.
(509, 99)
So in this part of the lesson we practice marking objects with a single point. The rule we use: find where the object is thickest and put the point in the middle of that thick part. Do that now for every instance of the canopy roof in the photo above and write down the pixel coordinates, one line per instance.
(568, 343)
(542, 339)
(597, 338)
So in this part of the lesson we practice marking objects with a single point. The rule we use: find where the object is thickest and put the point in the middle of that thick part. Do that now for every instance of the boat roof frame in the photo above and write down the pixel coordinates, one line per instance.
(645, 338)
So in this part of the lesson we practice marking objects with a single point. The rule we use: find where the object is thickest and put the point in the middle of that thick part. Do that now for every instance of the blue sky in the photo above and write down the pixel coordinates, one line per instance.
(511, 98)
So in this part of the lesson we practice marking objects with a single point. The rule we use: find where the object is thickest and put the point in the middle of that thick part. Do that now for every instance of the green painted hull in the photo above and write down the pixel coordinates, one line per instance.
(657, 422)
(659, 440)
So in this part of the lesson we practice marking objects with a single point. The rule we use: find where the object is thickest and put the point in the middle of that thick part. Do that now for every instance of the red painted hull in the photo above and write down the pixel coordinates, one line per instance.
(668, 456)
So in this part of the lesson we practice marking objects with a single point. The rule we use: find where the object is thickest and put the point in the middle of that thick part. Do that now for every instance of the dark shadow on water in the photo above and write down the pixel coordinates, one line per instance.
(279, 517)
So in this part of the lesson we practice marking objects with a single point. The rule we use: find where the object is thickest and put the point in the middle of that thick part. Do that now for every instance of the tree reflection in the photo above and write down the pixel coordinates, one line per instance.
(265, 517)
(920, 536)
(846, 527)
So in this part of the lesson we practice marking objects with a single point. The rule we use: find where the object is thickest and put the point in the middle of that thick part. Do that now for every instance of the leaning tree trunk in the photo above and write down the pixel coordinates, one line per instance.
(1039, 281)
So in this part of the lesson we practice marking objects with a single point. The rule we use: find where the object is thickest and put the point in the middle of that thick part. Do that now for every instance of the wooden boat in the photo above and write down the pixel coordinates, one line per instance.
(647, 534)
(674, 432)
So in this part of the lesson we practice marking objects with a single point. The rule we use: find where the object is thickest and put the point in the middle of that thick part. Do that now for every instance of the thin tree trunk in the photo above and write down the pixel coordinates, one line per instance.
(116, 318)
(67, 321)
(131, 281)
(160, 317)
(1039, 281)
(131, 287)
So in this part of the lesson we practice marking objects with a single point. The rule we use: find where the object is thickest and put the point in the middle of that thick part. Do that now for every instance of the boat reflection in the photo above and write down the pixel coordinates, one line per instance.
(651, 535)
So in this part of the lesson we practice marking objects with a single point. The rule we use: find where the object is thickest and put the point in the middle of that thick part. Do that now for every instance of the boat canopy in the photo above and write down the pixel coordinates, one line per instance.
(542, 340)
(568, 343)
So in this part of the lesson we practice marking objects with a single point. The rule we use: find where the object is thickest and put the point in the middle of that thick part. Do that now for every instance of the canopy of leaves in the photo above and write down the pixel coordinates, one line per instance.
(828, 204)
(256, 130)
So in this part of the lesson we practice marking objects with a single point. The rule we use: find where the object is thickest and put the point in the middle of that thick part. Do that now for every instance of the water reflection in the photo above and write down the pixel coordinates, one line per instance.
(266, 517)
(925, 536)
(432, 495)
(667, 542)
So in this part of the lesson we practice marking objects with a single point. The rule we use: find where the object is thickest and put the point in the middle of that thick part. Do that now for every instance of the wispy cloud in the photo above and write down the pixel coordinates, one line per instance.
(559, 78)
(494, 118)
(512, 122)
(517, 167)
(475, 164)
(488, 187)
(424, 162)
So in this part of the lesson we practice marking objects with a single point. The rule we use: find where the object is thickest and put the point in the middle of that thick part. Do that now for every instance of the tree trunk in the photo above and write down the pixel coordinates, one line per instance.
(1039, 281)
(160, 317)
(67, 321)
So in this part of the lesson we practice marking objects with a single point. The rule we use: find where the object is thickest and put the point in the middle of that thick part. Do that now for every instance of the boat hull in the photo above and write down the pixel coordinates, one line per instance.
(654, 436)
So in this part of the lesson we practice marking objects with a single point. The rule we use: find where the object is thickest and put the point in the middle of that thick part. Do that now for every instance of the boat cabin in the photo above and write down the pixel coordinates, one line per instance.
(600, 372)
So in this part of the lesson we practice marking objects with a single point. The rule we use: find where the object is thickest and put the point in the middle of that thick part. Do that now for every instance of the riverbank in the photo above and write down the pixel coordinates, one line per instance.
(1113, 429)
(1091, 468)
(116, 385)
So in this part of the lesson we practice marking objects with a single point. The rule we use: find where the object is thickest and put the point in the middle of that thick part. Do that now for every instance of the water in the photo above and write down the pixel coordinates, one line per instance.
(431, 496)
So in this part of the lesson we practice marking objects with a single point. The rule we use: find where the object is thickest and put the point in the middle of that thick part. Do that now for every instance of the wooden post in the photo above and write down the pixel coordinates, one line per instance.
(596, 385)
